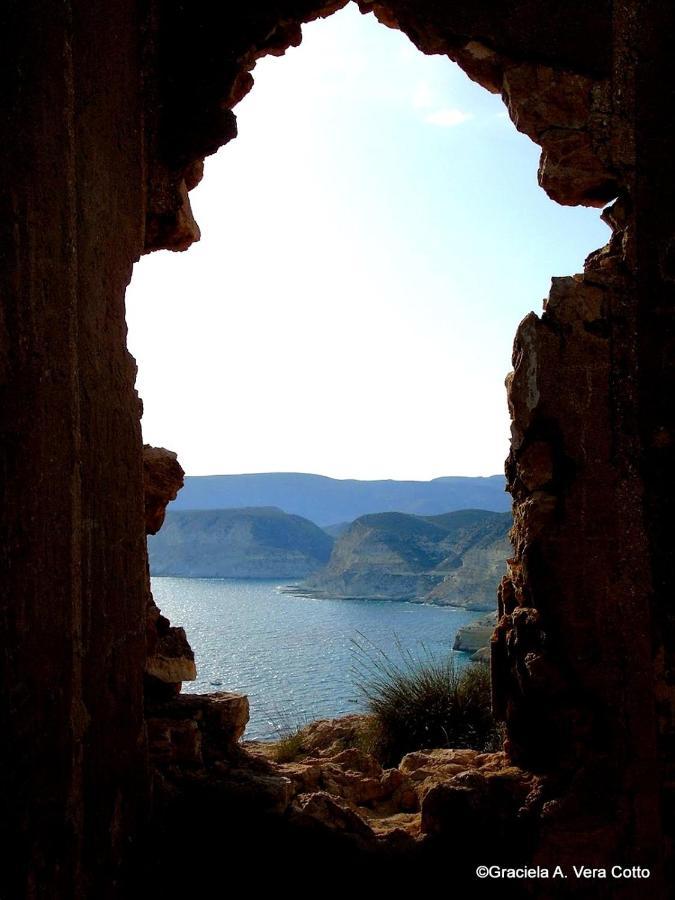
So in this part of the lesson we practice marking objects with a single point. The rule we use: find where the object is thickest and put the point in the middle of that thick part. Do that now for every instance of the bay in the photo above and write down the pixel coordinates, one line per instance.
(295, 656)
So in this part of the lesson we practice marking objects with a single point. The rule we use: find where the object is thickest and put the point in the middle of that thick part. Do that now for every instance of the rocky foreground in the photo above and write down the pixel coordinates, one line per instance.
(332, 785)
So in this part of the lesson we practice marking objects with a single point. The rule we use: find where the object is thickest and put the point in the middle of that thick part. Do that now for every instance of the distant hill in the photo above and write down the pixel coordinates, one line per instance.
(238, 543)
(330, 500)
(455, 559)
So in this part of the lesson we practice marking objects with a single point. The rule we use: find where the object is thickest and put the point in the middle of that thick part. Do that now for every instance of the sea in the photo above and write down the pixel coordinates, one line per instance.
(298, 658)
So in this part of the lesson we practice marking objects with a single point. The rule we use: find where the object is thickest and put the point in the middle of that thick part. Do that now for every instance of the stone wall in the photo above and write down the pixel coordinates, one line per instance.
(72, 627)
(109, 111)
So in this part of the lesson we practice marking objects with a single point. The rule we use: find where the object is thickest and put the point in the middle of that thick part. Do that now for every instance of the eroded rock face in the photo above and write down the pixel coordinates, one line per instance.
(162, 479)
(170, 658)
(195, 729)
(475, 638)
(563, 651)
(332, 784)
(562, 101)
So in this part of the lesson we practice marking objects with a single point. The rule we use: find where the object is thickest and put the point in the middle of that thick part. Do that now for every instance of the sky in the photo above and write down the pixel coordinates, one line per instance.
(370, 241)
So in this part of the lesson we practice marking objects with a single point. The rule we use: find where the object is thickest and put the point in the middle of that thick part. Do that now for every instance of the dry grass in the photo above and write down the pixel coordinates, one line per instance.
(419, 702)
(289, 747)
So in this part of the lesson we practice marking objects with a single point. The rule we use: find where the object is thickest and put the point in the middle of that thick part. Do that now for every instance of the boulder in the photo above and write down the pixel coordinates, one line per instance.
(196, 728)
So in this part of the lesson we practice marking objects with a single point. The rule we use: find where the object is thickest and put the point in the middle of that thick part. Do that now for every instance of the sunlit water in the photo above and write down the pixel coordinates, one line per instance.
(295, 656)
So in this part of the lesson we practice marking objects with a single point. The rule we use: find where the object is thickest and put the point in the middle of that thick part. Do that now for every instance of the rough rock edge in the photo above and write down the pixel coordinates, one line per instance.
(567, 113)
(170, 659)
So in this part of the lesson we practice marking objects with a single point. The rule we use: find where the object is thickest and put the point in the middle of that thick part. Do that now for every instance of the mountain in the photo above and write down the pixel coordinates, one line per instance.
(455, 559)
(237, 543)
(330, 500)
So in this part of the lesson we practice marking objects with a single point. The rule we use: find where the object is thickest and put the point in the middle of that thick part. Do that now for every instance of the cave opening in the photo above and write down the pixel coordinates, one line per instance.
(369, 243)
(109, 119)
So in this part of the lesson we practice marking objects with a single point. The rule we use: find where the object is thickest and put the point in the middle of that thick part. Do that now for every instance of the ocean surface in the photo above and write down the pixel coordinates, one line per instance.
(294, 656)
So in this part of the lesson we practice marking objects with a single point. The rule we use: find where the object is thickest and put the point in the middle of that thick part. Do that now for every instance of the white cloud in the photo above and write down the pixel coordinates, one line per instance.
(448, 118)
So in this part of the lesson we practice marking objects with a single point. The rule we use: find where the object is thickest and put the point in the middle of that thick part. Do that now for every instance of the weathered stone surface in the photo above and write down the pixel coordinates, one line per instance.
(327, 737)
(170, 658)
(323, 809)
(173, 658)
(174, 741)
(487, 800)
(162, 479)
(196, 728)
(476, 636)
(560, 100)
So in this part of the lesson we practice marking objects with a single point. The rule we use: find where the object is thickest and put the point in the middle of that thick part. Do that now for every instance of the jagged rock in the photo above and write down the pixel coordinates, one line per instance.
(262, 792)
(170, 658)
(437, 759)
(196, 727)
(359, 789)
(321, 808)
(339, 781)
(354, 760)
(475, 637)
(163, 477)
(397, 832)
(327, 737)
(350, 773)
(482, 799)
(174, 742)
(173, 658)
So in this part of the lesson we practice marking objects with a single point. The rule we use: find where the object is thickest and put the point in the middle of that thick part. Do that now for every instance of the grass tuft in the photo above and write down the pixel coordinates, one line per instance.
(288, 747)
(420, 702)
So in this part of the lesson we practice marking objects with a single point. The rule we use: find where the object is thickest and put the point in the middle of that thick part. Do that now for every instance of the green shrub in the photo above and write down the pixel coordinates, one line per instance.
(421, 702)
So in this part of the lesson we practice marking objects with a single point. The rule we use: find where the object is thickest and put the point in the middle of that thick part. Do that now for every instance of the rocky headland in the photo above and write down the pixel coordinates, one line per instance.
(255, 542)
(475, 637)
(455, 559)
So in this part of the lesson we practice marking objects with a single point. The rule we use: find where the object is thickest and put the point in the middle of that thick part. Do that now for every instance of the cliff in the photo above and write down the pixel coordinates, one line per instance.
(475, 637)
(238, 543)
(455, 559)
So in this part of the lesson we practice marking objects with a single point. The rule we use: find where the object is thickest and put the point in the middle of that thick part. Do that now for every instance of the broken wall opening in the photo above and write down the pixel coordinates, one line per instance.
(427, 106)
(171, 74)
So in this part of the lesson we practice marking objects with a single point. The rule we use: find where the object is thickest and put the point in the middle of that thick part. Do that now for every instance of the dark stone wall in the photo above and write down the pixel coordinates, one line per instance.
(646, 31)
(72, 626)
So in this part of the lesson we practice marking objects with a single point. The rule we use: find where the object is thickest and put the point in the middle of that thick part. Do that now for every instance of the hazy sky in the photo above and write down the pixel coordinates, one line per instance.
(370, 242)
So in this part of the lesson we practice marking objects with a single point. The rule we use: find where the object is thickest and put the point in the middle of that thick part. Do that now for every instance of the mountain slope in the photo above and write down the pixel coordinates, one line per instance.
(329, 500)
(455, 559)
(238, 543)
